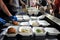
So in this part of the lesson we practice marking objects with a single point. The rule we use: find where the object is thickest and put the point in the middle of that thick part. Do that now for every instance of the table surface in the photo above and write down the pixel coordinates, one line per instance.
(56, 20)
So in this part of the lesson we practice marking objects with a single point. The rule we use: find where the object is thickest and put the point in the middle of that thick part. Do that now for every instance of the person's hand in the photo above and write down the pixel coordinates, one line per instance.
(26, 6)
(15, 23)
(13, 18)
(2, 21)
(52, 14)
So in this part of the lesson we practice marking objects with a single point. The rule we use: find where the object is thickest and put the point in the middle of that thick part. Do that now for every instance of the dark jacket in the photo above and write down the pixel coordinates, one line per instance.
(2, 13)
(43, 2)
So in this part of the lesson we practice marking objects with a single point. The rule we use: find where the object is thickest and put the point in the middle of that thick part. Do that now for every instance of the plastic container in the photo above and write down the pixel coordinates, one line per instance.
(11, 35)
(19, 16)
(52, 31)
(33, 18)
(41, 17)
(43, 23)
(33, 10)
(26, 18)
(24, 24)
(20, 19)
(39, 35)
(39, 31)
(33, 23)
(25, 30)
(25, 35)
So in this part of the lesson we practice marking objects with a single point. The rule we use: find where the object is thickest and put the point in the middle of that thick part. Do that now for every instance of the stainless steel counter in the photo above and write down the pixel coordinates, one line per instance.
(54, 19)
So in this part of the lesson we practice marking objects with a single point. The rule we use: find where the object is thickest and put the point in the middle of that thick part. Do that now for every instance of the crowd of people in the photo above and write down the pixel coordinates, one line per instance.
(55, 5)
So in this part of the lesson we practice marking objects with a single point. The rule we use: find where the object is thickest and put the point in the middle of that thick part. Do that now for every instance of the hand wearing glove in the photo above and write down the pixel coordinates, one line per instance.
(13, 18)
(2, 21)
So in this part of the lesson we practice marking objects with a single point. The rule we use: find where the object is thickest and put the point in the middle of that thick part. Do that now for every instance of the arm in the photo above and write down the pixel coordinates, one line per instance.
(53, 2)
(22, 2)
(48, 1)
(51, 9)
(4, 8)
(10, 1)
